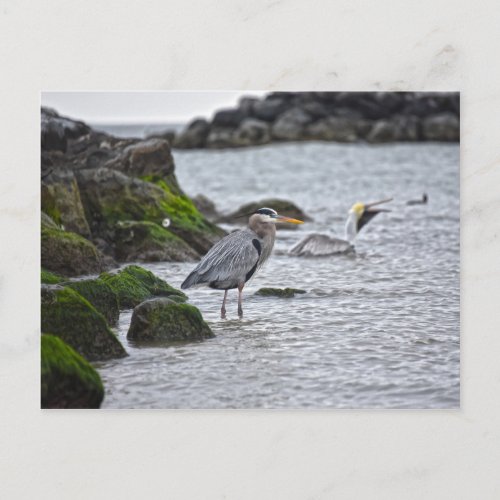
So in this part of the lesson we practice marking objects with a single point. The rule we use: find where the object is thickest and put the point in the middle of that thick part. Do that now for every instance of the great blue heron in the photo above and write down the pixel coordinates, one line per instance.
(422, 201)
(232, 261)
(315, 245)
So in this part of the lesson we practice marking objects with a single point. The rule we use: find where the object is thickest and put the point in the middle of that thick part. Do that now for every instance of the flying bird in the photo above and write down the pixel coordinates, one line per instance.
(422, 201)
(315, 245)
(233, 260)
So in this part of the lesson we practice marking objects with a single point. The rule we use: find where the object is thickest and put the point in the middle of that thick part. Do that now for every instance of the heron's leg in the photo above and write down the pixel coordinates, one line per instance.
(240, 300)
(223, 308)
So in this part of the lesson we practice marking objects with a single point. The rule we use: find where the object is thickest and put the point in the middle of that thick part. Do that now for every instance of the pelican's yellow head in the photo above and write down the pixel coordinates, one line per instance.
(358, 209)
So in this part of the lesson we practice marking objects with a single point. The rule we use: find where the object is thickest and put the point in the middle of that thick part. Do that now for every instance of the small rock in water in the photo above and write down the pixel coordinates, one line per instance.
(162, 319)
(279, 292)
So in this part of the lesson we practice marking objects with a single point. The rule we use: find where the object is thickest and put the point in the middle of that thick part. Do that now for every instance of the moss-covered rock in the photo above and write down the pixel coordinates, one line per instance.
(68, 380)
(134, 284)
(162, 319)
(149, 242)
(279, 292)
(68, 253)
(46, 221)
(111, 197)
(49, 278)
(100, 295)
(186, 221)
(66, 314)
(61, 200)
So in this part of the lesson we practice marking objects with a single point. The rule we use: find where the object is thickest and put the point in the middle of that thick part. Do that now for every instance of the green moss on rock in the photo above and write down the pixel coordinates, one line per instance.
(49, 278)
(134, 284)
(68, 253)
(148, 242)
(279, 292)
(186, 221)
(66, 314)
(162, 319)
(67, 380)
(100, 295)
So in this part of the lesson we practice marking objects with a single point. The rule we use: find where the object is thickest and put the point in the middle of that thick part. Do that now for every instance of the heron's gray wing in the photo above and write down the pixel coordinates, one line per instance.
(229, 260)
(320, 244)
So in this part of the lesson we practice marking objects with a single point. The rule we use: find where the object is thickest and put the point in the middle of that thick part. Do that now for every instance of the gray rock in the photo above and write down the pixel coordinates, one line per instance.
(220, 138)
(383, 131)
(441, 127)
(206, 207)
(151, 157)
(162, 319)
(194, 136)
(269, 109)
(252, 132)
(283, 207)
(290, 126)
(246, 105)
(56, 130)
(333, 129)
(228, 118)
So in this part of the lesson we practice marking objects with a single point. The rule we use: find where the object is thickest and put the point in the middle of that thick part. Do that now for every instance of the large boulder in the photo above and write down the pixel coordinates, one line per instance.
(100, 295)
(252, 132)
(151, 157)
(56, 130)
(290, 126)
(246, 105)
(61, 201)
(230, 118)
(269, 108)
(134, 284)
(67, 379)
(194, 136)
(441, 127)
(333, 129)
(69, 254)
(220, 137)
(149, 242)
(165, 320)
(66, 314)
(111, 197)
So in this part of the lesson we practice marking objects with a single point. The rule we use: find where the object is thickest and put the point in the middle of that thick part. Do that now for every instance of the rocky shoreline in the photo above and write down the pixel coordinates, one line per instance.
(106, 201)
(346, 117)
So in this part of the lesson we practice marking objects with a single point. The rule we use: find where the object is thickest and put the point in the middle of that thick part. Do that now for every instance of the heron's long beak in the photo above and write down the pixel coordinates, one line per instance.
(282, 218)
(369, 205)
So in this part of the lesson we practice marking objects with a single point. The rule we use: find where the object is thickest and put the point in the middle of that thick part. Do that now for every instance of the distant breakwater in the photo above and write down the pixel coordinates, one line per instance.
(349, 117)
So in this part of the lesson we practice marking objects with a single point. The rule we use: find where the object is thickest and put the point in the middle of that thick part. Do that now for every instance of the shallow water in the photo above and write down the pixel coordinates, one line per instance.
(376, 330)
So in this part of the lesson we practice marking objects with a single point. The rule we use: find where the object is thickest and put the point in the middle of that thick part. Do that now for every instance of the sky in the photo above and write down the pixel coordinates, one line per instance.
(141, 107)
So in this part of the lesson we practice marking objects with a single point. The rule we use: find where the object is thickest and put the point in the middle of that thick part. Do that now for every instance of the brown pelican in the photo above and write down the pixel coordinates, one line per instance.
(321, 244)
(232, 261)
(422, 201)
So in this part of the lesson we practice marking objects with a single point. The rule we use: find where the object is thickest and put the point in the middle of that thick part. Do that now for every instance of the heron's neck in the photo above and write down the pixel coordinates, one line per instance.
(265, 231)
(351, 229)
